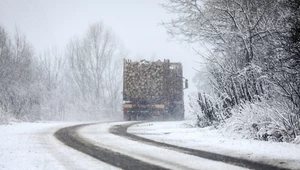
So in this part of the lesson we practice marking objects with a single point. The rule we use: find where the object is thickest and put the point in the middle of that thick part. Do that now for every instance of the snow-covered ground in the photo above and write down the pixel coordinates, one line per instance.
(33, 146)
(209, 139)
(30, 146)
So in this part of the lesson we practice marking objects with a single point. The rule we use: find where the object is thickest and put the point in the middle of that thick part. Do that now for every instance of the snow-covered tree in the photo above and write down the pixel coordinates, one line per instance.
(249, 42)
(19, 88)
(95, 63)
(52, 65)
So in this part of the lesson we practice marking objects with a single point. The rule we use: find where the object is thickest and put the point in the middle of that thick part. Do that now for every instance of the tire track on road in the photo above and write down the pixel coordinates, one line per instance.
(121, 130)
(70, 137)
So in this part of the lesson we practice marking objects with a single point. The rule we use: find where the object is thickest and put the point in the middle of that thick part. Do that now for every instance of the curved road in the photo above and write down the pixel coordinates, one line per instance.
(70, 137)
(110, 143)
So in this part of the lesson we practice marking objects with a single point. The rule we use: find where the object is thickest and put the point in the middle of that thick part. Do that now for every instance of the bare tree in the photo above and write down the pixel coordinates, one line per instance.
(240, 33)
(19, 88)
(94, 61)
(286, 74)
(52, 65)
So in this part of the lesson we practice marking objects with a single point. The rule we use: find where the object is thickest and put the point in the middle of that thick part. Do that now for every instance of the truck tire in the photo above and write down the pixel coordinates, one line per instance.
(126, 117)
(133, 117)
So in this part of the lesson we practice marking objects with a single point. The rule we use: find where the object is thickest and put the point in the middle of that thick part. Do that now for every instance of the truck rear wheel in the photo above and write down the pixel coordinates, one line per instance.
(133, 117)
(126, 116)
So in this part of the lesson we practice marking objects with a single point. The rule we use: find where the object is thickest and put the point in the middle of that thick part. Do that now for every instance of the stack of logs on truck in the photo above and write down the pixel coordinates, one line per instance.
(153, 90)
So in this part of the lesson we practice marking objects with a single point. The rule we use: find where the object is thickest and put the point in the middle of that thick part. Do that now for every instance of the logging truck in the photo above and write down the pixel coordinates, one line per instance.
(153, 90)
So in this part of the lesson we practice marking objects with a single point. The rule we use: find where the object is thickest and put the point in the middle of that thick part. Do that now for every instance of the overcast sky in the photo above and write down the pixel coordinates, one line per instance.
(48, 23)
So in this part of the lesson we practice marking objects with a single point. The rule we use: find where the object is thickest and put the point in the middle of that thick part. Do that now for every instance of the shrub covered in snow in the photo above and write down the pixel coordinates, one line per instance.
(6, 117)
(265, 120)
(209, 110)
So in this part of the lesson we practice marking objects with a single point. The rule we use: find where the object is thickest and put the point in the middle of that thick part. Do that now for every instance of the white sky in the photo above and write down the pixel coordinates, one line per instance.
(48, 23)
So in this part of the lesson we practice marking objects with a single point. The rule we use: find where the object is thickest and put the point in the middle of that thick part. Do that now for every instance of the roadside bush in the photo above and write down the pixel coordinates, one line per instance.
(3, 119)
(209, 110)
(6, 118)
(265, 120)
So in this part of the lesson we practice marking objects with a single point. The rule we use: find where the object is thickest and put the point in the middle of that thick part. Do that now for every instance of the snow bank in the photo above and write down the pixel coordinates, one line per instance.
(213, 140)
(32, 146)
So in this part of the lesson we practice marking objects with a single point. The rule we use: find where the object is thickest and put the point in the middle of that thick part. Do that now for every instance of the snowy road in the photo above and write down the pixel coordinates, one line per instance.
(34, 146)
(99, 135)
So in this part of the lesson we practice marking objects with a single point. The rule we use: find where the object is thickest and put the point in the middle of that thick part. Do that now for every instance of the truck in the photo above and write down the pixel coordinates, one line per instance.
(153, 90)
